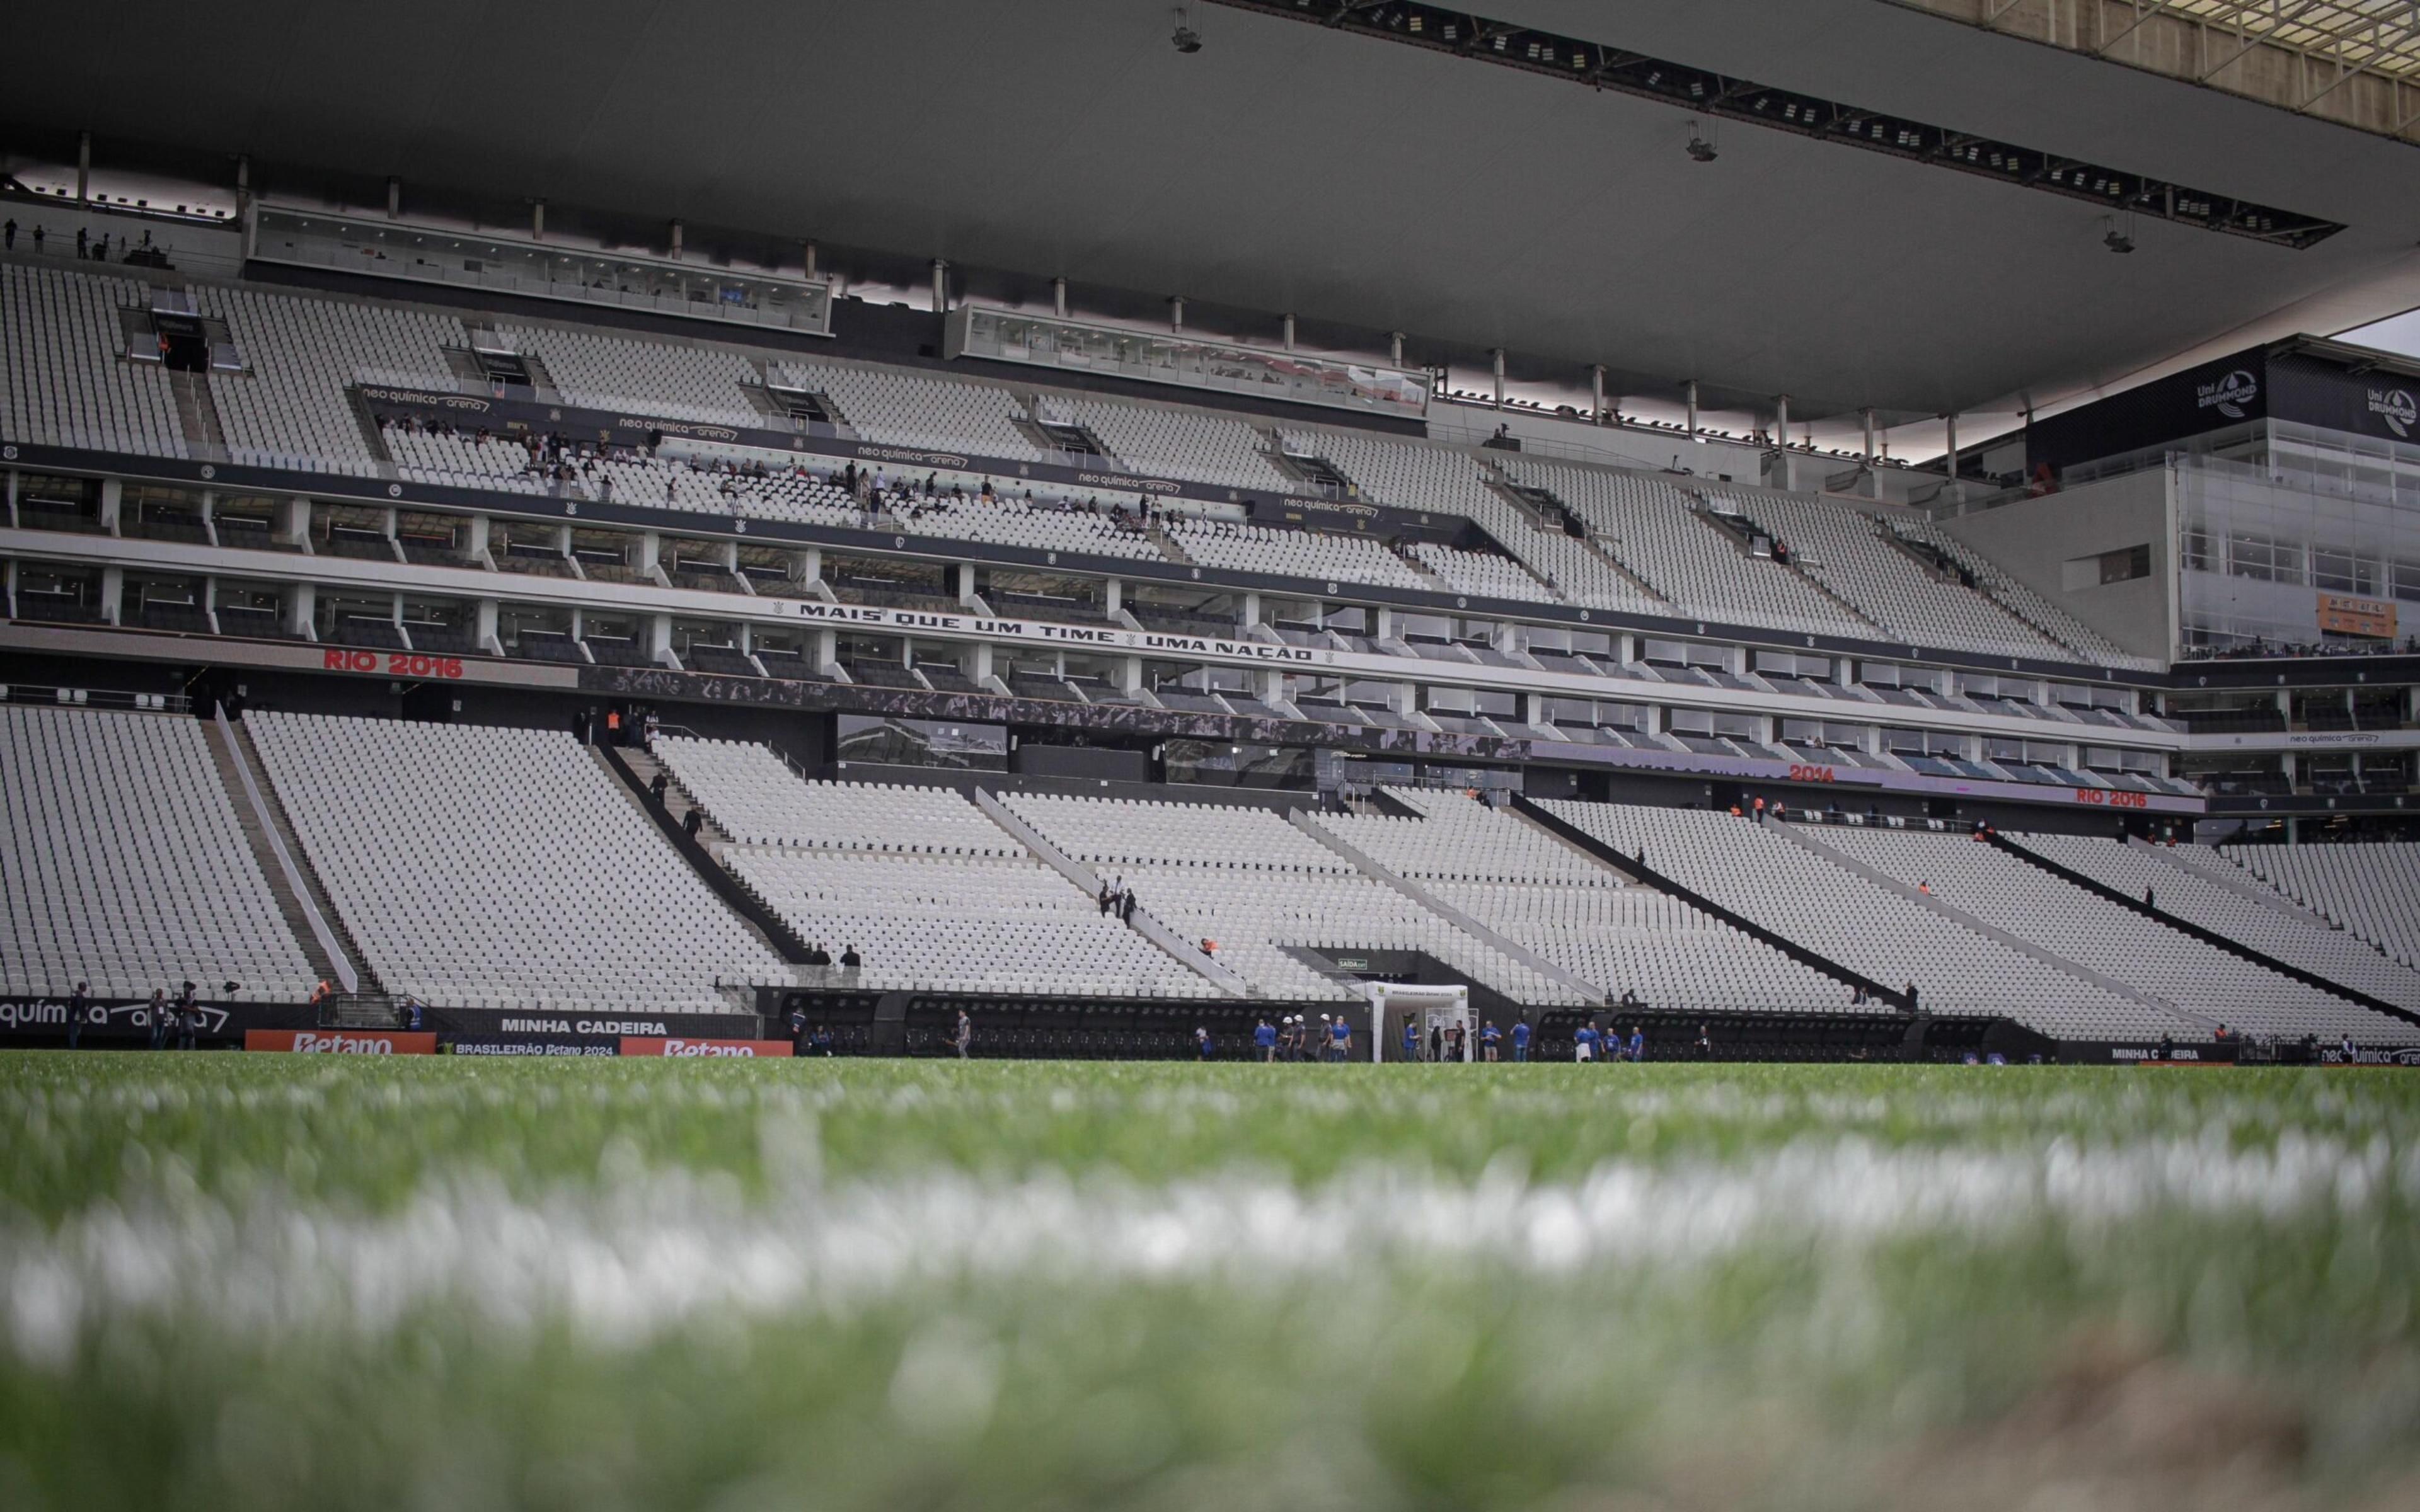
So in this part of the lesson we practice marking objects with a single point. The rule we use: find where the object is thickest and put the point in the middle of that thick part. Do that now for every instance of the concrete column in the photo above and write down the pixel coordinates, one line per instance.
(743, 638)
(12, 497)
(808, 256)
(1689, 390)
(807, 566)
(1112, 597)
(394, 198)
(294, 522)
(1176, 313)
(676, 241)
(563, 539)
(729, 556)
(651, 553)
(941, 286)
(1129, 674)
(483, 632)
(1383, 625)
(302, 606)
(660, 637)
(1949, 456)
(8, 585)
(1596, 395)
(1059, 297)
(1869, 416)
(1395, 347)
(538, 220)
(825, 649)
(977, 662)
(965, 572)
(113, 595)
(1781, 420)
(578, 625)
(394, 609)
(1251, 611)
(473, 537)
(1289, 332)
(84, 167)
(242, 184)
(1533, 708)
(113, 497)
(1498, 356)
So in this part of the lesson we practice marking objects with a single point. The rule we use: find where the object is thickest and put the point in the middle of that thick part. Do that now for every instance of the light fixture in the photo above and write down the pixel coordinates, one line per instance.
(1699, 148)
(2116, 241)
(1184, 39)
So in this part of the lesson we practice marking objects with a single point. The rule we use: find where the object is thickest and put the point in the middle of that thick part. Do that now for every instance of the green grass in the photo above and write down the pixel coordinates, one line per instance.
(288, 1282)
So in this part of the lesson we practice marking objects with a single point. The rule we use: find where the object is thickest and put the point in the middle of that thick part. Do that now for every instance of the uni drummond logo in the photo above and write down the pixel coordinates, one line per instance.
(2230, 395)
(2396, 406)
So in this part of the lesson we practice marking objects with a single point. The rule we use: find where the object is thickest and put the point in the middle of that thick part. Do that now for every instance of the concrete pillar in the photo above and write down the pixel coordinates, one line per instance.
(579, 624)
(1395, 347)
(394, 609)
(1112, 597)
(1176, 313)
(1950, 456)
(1596, 395)
(1289, 332)
(1059, 297)
(483, 631)
(743, 638)
(538, 220)
(12, 497)
(808, 257)
(825, 649)
(473, 537)
(676, 241)
(1867, 414)
(1497, 357)
(964, 573)
(1533, 708)
(1781, 420)
(651, 553)
(294, 522)
(394, 198)
(113, 595)
(84, 167)
(941, 286)
(729, 556)
(8, 585)
(113, 497)
(1250, 614)
(1689, 390)
(977, 662)
(660, 637)
(1383, 625)
(301, 607)
(807, 566)
(1129, 674)
(243, 183)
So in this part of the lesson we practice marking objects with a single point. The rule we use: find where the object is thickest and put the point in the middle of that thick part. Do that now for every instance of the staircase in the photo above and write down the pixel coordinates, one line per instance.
(1742, 532)
(634, 770)
(198, 416)
(232, 752)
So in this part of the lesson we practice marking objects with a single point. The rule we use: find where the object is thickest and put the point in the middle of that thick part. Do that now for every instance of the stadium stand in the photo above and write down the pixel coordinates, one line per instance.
(2139, 871)
(1799, 894)
(67, 381)
(482, 866)
(2158, 962)
(289, 408)
(1579, 913)
(1164, 441)
(125, 866)
(1290, 552)
(2373, 891)
(658, 379)
(928, 413)
(1256, 885)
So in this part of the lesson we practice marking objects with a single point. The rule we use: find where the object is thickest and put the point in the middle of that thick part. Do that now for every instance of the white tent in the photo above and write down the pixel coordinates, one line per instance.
(1390, 1002)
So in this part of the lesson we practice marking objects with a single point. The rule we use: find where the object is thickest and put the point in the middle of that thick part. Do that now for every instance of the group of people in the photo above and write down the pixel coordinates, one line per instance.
(1117, 899)
(91, 248)
(172, 1022)
(1293, 1038)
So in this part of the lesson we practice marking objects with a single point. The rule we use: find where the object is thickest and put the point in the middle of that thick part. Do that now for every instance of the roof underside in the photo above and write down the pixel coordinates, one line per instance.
(1367, 187)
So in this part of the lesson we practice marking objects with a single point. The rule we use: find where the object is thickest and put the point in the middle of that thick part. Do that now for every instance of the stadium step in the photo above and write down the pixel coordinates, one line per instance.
(198, 415)
(633, 769)
(231, 754)
(2235, 880)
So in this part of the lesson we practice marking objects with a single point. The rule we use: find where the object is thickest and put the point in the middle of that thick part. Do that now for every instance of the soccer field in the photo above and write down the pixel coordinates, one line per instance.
(289, 1282)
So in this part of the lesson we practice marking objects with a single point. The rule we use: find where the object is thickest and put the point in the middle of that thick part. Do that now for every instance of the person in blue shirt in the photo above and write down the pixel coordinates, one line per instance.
(1584, 1042)
(1637, 1048)
(1340, 1038)
(1489, 1038)
(1202, 1041)
(1521, 1040)
(1264, 1038)
(1412, 1039)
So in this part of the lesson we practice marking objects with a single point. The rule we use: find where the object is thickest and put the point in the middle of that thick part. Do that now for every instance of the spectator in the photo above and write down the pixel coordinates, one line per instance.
(1411, 1040)
(1436, 1043)
(82, 246)
(1339, 1040)
(1105, 899)
(849, 959)
(10, 234)
(80, 1000)
(158, 1013)
(1265, 1040)
(189, 1017)
(1637, 1049)
(37, 252)
(580, 721)
(1584, 1042)
(657, 787)
(693, 822)
(1489, 1038)
(1705, 1045)
(1520, 1041)
(1202, 1041)
(1127, 908)
(797, 1028)
(821, 1041)
(965, 1035)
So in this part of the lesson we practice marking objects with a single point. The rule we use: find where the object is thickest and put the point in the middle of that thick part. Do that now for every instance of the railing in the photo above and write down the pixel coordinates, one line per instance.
(261, 812)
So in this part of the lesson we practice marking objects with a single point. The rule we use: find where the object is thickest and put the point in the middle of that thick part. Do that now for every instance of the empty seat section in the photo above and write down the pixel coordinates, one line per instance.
(124, 864)
(483, 867)
(67, 380)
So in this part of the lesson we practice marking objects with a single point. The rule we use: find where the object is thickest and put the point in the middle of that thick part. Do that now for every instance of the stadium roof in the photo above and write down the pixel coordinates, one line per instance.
(1366, 186)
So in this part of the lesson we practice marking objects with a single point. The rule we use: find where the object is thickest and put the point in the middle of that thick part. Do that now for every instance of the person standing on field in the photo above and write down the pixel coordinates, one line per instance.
(1520, 1042)
(965, 1035)
(1488, 1038)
